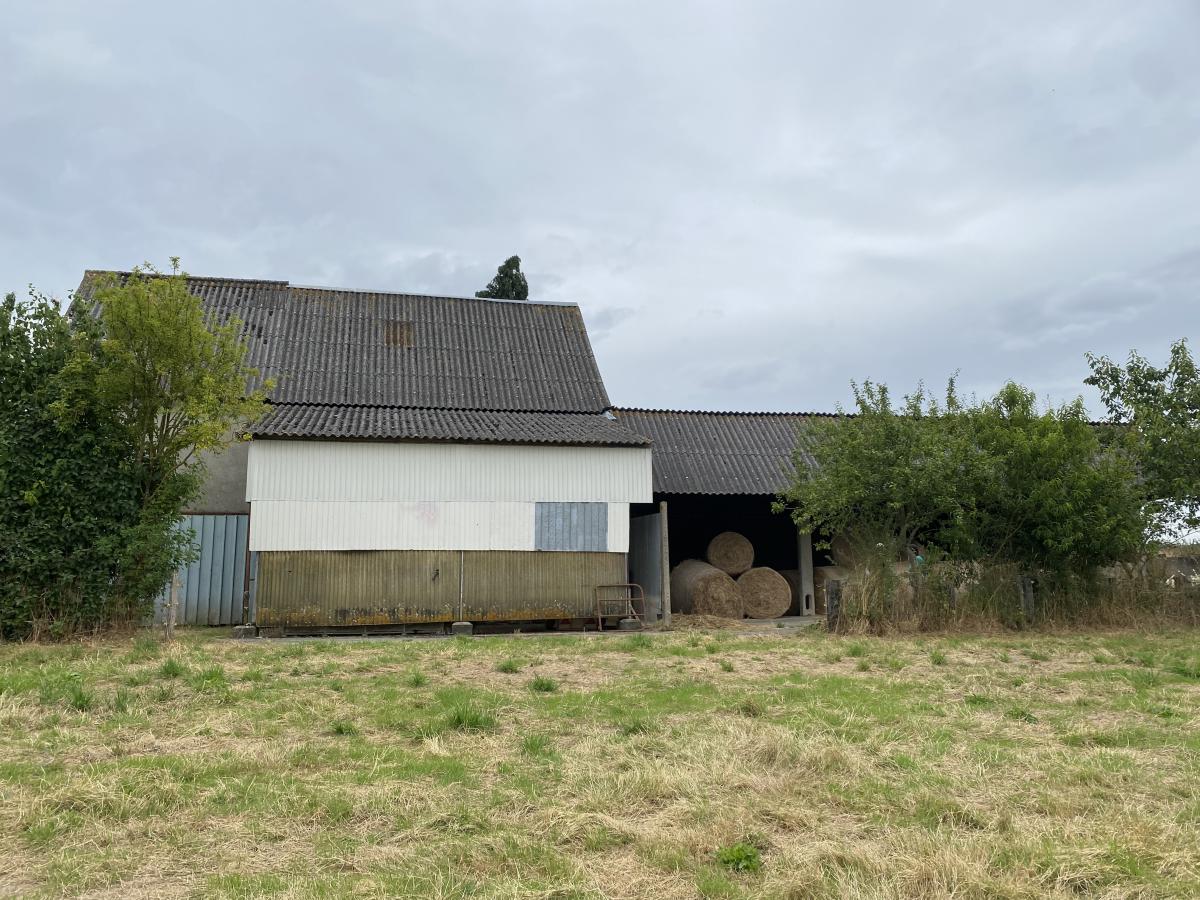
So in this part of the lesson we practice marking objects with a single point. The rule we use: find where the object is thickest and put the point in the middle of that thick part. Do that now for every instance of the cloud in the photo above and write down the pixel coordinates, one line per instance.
(753, 206)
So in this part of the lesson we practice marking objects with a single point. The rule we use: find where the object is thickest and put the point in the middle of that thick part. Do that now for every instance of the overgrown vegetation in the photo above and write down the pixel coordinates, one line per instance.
(103, 420)
(1000, 510)
(1030, 765)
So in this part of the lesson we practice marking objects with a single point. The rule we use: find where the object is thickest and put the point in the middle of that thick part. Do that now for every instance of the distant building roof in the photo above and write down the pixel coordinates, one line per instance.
(721, 452)
(291, 420)
(326, 348)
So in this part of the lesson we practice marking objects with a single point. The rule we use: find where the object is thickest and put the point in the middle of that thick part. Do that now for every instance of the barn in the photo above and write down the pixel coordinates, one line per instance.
(425, 460)
(721, 471)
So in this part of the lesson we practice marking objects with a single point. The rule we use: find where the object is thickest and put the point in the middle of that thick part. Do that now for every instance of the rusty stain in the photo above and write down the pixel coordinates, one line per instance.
(395, 587)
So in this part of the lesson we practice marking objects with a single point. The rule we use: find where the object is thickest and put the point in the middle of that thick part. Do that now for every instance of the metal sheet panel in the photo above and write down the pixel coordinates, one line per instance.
(211, 587)
(365, 588)
(341, 471)
(571, 526)
(391, 525)
(645, 559)
(618, 528)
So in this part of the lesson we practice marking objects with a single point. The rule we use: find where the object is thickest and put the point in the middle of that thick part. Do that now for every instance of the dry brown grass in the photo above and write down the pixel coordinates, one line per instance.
(1028, 766)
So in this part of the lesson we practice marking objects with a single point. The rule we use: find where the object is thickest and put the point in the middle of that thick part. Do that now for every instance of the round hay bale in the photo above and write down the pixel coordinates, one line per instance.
(765, 593)
(730, 552)
(792, 576)
(698, 588)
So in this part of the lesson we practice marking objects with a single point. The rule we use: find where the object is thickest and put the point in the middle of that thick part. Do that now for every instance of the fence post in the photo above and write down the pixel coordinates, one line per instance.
(1027, 605)
(172, 606)
(833, 605)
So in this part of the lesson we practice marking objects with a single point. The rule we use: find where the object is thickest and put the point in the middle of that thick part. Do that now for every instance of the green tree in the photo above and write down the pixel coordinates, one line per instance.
(886, 478)
(997, 481)
(509, 282)
(105, 417)
(1155, 414)
(1050, 497)
(67, 489)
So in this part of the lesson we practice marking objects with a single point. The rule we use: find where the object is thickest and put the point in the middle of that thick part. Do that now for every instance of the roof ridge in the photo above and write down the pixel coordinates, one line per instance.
(189, 276)
(487, 409)
(723, 412)
(369, 291)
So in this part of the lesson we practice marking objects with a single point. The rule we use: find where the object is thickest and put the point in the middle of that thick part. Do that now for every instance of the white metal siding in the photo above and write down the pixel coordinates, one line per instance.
(407, 525)
(345, 471)
(390, 525)
(618, 527)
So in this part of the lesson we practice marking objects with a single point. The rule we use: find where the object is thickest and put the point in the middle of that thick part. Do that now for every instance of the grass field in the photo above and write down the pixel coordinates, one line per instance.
(713, 764)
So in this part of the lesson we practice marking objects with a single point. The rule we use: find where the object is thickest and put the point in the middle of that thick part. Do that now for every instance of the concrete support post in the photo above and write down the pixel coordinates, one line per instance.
(808, 605)
(665, 550)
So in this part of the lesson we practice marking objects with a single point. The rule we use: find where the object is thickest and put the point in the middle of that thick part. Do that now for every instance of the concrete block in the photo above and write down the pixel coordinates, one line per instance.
(243, 632)
(462, 628)
(629, 625)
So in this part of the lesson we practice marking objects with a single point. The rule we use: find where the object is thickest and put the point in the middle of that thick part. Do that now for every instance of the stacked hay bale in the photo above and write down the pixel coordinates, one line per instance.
(704, 590)
(731, 553)
(765, 593)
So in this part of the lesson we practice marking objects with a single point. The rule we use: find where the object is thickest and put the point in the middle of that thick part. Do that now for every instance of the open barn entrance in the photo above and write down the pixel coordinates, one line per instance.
(718, 472)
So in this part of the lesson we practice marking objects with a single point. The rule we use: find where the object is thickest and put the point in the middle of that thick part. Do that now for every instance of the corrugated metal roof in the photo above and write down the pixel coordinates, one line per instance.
(326, 346)
(721, 452)
(484, 426)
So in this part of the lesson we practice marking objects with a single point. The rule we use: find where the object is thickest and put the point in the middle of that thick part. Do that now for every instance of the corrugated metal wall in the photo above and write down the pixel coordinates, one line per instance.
(362, 588)
(345, 471)
(211, 587)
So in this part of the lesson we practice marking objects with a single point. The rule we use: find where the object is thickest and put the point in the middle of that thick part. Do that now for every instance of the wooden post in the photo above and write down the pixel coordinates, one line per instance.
(833, 605)
(664, 549)
(808, 595)
(1027, 607)
(172, 607)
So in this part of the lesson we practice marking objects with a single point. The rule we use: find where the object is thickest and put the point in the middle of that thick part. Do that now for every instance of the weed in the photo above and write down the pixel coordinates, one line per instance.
(79, 697)
(1020, 714)
(638, 725)
(712, 647)
(543, 685)
(726, 665)
(509, 666)
(938, 658)
(122, 701)
(856, 650)
(172, 667)
(751, 707)
(863, 665)
(740, 857)
(416, 678)
(344, 728)
(537, 745)
(469, 717)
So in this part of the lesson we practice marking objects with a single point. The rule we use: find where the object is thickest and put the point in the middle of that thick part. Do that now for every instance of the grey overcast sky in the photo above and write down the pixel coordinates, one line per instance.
(754, 203)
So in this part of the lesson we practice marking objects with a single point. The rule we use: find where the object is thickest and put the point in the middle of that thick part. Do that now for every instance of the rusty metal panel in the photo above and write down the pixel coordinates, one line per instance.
(512, 585)
(394, 587)
(357, 587)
